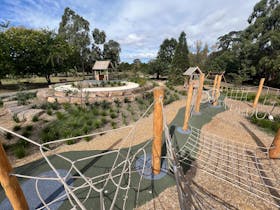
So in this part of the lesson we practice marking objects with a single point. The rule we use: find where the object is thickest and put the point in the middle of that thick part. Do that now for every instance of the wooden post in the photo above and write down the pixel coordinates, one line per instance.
(274, 151)
(10, 183)
(158, 129)
(199, 93)
(258, 93)
(214, 85)
(188, 107)
(217, 90)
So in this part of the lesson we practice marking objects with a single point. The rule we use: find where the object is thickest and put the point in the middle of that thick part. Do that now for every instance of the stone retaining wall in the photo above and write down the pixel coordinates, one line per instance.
(51, 95)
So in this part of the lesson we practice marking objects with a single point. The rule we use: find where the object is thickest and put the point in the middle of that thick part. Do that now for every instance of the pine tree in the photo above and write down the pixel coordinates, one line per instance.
(180, 60)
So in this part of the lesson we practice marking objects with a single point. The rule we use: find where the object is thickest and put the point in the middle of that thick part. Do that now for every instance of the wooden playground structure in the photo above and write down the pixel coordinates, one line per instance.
(12, 187)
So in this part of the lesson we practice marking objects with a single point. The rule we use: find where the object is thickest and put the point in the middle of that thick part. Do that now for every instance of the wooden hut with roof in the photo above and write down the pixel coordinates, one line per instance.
(192, 75)
(101, 70)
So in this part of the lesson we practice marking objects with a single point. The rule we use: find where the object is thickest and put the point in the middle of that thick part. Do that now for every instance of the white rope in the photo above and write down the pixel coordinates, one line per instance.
(125, 167)
(239, 166)
(236, 99)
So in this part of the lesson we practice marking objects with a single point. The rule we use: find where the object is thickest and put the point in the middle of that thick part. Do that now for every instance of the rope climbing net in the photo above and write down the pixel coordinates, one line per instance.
(244, 166)
(109, 186)
(241, 100)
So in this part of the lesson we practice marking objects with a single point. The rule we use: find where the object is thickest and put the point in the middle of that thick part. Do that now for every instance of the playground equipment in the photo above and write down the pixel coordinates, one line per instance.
(247, 167)
(244, 100)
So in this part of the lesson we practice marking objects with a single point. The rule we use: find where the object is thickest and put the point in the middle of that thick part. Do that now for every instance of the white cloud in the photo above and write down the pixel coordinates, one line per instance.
(139, 25)
(132, 39)
(140, 55)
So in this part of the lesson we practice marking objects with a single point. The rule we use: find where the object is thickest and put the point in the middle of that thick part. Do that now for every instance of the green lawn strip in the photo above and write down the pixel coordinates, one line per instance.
(269, 126)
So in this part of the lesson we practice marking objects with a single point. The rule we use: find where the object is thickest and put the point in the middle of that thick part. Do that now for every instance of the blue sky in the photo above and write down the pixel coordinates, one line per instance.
(138, 25)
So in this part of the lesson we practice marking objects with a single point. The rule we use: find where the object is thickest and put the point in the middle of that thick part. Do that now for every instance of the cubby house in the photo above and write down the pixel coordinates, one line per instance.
(192, 75)
(101, 70)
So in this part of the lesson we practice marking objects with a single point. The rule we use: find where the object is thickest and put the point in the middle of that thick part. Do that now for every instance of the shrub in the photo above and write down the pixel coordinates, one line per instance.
(140, 100)
(49, 134)
(118, 102)
(113, 115)
(26, 133)
(148, 97)
(8, 136)
(126, 100)
(35, 118)
(19, 151)
(15, 118)
(23, 142)
(49, 112)
(97, 103)
(95, 111)
(104, 113)
(124, 121)
(54, 106)
(16, 128)
(89, 123)
(59, 115)
(85, 129)
(105, 104)
(183, 92)
(29, 128)
(97, 124)
(103, 120)
(176, 97)
(69, 142)
(23, 98)
(114, 125)
(67, 106)
(87, 138)
(124, 116)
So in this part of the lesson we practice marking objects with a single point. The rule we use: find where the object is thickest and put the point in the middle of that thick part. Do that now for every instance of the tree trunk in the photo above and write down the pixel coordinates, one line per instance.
(83, 68)
(157, 75)
(48, 78)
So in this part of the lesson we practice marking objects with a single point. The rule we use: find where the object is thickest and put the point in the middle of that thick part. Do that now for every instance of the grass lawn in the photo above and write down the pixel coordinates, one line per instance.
(266, 124)
(9, 85)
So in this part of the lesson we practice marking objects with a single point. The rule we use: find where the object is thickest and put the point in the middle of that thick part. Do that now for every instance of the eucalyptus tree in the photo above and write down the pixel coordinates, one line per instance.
(102, 50)
(254, 52)
(75, 30)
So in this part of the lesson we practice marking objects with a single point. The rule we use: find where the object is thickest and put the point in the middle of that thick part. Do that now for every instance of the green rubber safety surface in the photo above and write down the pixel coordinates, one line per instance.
(102, 164)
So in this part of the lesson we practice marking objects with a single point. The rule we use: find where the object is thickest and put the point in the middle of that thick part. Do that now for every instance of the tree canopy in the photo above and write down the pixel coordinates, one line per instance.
(254, 52)
(180, 60)
(33, 52)
(25, 52)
